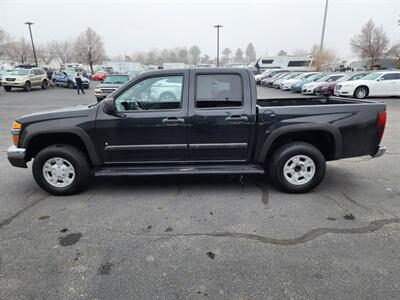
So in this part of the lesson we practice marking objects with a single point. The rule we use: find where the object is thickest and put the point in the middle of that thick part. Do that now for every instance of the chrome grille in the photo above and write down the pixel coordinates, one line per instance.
(107, 90)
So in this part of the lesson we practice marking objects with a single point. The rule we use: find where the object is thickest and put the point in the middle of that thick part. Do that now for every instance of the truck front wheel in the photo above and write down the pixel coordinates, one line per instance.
(297, 167)
(61, 170)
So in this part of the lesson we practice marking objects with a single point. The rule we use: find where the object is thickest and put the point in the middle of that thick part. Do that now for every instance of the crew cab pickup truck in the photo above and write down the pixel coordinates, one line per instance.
(210, 122)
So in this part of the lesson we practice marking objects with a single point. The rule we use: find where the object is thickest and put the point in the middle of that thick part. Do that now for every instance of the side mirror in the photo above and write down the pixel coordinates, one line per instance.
(109, 106)
(379, 79)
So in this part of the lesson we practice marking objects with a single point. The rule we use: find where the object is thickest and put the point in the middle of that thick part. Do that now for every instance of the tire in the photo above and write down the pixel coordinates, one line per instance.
(27, 86)
(45, 84)
(305, 167)
(7, 88)
(79, 177)
(167, 96)
(70, 85)
(361, 92)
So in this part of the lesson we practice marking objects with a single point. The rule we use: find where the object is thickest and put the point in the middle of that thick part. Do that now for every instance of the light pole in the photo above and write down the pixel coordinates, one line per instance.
(218, 27)
(33, 45)
(321, 45)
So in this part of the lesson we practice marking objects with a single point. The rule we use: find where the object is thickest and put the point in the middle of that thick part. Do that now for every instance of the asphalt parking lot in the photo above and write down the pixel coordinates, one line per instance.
(218, 237)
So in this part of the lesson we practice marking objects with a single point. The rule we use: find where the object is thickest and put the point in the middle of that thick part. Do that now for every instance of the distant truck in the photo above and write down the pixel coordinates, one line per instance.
(213, 124)
(109, 85)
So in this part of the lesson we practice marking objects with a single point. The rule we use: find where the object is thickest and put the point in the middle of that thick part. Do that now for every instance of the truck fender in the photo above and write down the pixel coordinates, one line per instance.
(82, 134)
(334, 131)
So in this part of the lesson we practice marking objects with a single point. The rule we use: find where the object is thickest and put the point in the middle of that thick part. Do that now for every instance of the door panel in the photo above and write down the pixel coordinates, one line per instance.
(154, 129)
(220, 117)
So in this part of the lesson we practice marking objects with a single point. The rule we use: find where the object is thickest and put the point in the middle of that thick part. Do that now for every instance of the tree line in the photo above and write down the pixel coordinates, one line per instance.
(86, 48)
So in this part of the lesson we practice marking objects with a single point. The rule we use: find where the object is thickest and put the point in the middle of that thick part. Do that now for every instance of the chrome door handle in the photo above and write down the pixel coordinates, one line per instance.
(236, 118)
(173, 120)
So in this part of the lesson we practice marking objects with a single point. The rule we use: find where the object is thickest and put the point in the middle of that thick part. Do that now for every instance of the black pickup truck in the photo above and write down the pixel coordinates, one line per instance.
(196, 121)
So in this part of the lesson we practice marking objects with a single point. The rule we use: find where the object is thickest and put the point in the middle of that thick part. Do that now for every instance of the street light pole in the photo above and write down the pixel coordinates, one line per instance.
(321, 45)
(33, 45)
(218, 27)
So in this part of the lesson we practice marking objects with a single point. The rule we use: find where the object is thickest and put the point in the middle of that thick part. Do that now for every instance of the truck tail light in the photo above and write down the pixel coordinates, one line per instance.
(381, 122)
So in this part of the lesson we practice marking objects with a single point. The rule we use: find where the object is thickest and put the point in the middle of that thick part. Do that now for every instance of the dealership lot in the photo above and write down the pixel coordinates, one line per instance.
(222, 237)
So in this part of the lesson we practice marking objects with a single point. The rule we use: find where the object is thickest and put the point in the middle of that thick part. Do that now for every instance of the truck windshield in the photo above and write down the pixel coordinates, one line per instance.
(116, 79)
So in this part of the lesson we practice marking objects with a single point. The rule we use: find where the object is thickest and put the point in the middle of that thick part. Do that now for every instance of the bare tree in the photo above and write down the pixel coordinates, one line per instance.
(195, 52)
(226, 56)
(45, 53)
(63, 50)
(322, 59)
(5, 42)
(183, 55)
(20, 51)
(89, 48)
(239, 56)
(371, 44)
(251, 54)
(394, 52)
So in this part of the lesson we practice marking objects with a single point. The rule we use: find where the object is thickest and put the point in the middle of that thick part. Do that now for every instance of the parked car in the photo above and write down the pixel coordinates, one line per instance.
(377, 84)
(277, 83)
(25, 79)
(216, 125)
(268, 82)
(99, 76)
(287, 84)
(297, 87)
(109, 85)
(327, 88)
(67, 79)
(267, 74)
(309, 88)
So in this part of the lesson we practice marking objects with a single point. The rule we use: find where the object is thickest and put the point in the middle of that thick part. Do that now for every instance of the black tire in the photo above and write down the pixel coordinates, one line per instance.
(45, 84)
(27, 86)
(75, 157)
(287, 152)
(70, 85)
(7, 88)
(361, 92)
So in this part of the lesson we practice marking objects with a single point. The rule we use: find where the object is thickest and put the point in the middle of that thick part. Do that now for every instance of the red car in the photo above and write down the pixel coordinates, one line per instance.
(327, 88)
(99, 76)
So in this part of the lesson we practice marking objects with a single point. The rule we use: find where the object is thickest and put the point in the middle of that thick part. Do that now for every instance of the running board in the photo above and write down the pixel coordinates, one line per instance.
(178, 170)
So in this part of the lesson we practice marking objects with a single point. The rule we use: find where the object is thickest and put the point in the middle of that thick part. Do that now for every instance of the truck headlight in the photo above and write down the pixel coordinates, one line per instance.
(97, 91)
(15, 131)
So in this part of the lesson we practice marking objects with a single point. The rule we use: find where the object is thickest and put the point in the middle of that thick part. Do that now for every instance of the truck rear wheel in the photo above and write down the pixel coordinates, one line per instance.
(61, 170)
(297, 167)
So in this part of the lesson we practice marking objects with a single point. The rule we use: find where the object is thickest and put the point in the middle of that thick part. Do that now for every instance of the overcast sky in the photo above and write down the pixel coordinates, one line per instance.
(127, 26)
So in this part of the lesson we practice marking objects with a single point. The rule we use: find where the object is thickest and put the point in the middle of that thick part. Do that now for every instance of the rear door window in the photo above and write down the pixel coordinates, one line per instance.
(218, 90)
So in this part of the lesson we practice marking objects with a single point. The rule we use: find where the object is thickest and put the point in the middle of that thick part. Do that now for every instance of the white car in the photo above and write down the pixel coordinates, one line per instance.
(384, 84)
(309, 88)
(287, 84)
(277, 83)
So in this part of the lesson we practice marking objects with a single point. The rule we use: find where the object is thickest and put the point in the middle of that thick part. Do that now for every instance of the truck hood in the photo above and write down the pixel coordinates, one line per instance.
(16, 77)
(60, 113)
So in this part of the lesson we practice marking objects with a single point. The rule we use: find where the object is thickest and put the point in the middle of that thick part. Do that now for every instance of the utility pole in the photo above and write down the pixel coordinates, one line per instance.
(321, 45)
(33, 45)
(218, 27)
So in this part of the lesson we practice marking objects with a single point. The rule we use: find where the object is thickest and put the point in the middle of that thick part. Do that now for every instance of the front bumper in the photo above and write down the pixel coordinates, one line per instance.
(344, 91)
(12, 83)
(380, 150)
(16, 156)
